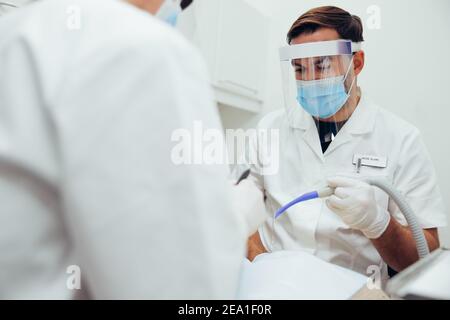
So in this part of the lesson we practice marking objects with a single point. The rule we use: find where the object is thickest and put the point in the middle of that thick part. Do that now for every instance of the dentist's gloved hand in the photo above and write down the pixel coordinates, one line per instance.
(248, 203)
(354, 201)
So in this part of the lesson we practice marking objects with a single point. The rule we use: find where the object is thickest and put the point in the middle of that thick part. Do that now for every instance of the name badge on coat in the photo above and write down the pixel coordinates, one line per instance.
(370, 161)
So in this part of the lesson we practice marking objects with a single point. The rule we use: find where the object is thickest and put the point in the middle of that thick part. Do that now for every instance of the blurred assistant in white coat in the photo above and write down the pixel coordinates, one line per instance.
(86, 180)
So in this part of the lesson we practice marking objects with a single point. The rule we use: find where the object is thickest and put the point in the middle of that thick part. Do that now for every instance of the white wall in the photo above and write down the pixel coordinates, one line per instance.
(408, 65)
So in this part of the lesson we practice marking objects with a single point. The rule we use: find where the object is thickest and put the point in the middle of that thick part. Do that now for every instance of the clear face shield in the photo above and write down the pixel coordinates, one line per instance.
(319, 78)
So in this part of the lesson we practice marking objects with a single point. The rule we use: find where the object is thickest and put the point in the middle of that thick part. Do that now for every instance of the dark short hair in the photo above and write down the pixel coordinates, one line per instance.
(348, 26)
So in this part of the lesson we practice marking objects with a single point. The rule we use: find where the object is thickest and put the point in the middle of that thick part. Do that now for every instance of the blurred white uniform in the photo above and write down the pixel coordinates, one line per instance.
(86, 177)
(311, 226)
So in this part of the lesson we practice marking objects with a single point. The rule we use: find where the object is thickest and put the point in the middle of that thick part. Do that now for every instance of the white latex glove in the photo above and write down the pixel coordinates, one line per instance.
(354, 201)
(248, 202)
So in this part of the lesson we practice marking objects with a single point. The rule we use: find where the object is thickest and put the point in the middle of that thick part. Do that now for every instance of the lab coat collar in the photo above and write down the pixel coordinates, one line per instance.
(362, 120)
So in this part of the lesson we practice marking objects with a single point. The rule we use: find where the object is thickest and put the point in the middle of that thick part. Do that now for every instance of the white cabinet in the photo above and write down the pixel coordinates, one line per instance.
(234, 38)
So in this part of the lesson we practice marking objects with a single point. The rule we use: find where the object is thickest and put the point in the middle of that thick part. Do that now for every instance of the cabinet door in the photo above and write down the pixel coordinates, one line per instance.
(242, 47)
(233, 37)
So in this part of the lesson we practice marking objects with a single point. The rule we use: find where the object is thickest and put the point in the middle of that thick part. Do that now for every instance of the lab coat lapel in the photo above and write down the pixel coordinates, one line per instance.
(302, 121)
(361, 122)
(342, 138)
(311, 138)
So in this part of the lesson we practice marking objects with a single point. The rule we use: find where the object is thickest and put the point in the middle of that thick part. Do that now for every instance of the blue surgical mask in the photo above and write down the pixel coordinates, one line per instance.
(169, 12)
(323, 98)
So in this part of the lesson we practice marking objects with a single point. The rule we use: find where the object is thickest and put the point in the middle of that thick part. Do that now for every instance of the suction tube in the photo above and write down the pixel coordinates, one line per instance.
(417, 232)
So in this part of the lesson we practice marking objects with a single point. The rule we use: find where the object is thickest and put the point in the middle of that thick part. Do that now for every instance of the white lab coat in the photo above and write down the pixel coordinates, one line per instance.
(303, 167)
(86, 177)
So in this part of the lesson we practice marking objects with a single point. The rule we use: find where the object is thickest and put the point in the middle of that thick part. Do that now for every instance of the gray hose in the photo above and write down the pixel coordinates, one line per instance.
(408, 213)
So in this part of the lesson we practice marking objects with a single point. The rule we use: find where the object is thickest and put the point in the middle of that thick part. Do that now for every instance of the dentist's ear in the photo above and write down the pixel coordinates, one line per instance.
(358, 62)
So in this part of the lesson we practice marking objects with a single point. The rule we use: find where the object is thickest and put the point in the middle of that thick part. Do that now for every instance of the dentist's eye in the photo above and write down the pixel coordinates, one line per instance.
(323, 68)
(324, 63)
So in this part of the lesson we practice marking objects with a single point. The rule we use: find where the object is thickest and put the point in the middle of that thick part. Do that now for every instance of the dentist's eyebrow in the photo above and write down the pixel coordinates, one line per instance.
(297, 64)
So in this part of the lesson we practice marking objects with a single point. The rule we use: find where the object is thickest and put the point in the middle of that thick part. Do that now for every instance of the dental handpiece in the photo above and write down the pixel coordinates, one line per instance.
(322, 193)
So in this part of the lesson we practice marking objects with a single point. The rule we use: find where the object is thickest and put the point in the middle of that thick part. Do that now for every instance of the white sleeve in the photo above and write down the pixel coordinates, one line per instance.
(416, 180)
(142, 226)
